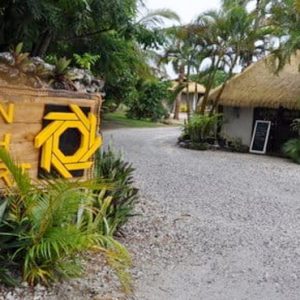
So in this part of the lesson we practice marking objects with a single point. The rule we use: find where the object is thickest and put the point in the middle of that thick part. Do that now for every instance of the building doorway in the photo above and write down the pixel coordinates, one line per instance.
(281, 130)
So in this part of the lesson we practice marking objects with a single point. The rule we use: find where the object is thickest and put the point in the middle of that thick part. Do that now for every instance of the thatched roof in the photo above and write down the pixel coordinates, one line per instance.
(192, 87)
(258, 86)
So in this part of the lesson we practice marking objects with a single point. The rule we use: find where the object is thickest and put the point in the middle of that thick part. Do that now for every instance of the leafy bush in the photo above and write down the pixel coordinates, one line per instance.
(86, 60)
(292, 149)
(149, 102)
(201, 128)
(44, 228)
(111, 166)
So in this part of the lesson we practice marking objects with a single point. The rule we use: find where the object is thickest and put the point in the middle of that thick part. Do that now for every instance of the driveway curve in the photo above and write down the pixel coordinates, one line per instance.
(212, 225)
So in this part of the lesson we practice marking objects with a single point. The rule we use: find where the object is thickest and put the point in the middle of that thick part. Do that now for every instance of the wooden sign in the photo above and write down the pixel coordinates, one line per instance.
(260, 137)
(49, 132)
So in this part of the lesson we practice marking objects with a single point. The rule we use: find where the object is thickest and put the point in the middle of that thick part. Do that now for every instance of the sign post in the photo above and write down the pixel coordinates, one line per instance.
(260, 137)
(49, 132)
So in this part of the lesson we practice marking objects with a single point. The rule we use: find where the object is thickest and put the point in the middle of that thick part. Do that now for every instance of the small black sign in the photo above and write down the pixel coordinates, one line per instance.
(260, 137)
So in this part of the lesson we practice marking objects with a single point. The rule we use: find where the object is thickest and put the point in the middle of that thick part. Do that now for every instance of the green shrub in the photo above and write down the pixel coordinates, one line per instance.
(292, 149)
(149, 102)
(44, 228)
(201, 128)
(111, 166)
(86, 60)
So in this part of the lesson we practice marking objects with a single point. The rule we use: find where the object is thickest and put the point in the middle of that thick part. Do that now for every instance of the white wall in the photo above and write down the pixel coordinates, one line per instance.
(238, 123)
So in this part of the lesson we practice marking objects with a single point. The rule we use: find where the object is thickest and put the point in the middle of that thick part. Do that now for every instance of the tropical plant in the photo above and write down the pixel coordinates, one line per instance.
(230, 37)
(204, 78)
(284, 17)
(44, 228)
(292, 150)
(292, 147)
(44, 24)
(119, 202)
(20, 58)
(86, 61)
(149, 103)
(201, 128)
(59, 78)
(110, 29)
(184, 54)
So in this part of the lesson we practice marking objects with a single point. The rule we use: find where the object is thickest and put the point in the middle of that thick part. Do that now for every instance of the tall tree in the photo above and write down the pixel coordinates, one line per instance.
(285, 18)
(47, 22)
(184, 53)
(231, 38)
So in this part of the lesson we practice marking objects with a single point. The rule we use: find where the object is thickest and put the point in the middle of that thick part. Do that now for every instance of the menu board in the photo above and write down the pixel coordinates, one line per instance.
(260, 137)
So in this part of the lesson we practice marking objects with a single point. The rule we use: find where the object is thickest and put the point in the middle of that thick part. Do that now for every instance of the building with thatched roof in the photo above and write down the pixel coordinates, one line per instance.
(259, 94)
(192, 92)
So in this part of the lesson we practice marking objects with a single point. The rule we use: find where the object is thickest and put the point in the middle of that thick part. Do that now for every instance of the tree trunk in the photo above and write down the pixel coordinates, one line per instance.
(42, 45)
(178, 98)
(188, 101)
(216, 102)
(209, 85)
(177, 107)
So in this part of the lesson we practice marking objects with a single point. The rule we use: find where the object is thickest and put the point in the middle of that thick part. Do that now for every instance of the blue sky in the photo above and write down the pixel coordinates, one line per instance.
(186, 9)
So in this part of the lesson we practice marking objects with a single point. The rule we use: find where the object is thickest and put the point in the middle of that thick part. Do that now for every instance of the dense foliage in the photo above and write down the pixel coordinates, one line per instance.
(292, 150)
(292, 147)
(148, 104)
(101, 35)
(109, 38)
(111, 166)
(44, 228)
(201, 129)
(60, 24)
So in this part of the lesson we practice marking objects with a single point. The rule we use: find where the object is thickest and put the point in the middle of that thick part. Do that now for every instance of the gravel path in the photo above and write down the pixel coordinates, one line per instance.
(214, 225)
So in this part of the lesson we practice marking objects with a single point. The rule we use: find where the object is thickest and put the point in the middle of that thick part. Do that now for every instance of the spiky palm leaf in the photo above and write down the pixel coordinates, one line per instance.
(40, 230)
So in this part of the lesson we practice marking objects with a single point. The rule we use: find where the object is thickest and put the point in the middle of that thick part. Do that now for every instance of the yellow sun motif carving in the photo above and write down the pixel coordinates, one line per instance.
(49, 137)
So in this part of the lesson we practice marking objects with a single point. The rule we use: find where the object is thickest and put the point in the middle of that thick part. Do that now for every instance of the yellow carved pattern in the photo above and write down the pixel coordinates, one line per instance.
(6, 141)
(7, 177)
(48, 140)
(8, 114)
(61, 116)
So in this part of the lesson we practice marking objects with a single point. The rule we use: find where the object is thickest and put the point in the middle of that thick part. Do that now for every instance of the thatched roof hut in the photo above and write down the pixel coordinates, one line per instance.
(191, 87)
(258, 86)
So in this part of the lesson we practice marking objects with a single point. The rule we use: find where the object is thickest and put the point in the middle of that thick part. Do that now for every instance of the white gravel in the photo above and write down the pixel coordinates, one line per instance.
(212, 225)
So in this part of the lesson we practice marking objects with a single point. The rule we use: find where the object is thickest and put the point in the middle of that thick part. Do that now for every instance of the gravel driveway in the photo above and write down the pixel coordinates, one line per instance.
(214, 225)
(211, 226)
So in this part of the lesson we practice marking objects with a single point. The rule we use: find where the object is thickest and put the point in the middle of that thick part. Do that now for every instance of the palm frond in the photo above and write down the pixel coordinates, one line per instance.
(157, 17)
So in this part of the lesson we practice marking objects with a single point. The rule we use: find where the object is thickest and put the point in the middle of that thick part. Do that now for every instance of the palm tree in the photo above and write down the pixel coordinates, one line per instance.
(157, 17)
(285, 18)
(230, 37)
(183, 52)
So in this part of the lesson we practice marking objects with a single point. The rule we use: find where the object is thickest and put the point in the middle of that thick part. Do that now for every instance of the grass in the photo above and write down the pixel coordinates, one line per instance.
(119, 120)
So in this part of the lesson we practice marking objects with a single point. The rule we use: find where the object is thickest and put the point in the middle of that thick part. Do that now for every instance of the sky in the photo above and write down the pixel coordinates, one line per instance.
(186, 9)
